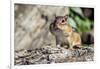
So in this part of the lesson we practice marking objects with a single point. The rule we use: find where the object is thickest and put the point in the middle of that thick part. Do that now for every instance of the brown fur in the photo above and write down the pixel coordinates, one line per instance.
(64, 33)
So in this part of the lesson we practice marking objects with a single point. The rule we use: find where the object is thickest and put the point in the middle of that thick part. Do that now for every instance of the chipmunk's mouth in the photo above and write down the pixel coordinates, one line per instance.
(62, 23)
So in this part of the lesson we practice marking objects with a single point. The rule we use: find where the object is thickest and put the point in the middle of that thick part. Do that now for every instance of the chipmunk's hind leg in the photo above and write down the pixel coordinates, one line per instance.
(78, 46)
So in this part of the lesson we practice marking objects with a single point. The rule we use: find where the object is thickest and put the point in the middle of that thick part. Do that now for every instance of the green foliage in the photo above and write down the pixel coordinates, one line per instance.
(77, 10)
(79, 21)
(72, 22)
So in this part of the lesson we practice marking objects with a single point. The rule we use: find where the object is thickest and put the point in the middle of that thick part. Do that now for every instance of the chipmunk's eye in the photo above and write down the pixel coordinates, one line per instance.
(63, 20)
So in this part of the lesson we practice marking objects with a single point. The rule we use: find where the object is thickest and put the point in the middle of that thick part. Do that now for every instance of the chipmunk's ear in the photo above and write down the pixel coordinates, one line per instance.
(66, 17)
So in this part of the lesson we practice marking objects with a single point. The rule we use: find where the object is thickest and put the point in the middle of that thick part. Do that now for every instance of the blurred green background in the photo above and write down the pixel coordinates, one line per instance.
(82, 19)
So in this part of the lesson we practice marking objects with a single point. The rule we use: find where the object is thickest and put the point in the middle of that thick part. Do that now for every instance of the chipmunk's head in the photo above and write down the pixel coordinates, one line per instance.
(61, 20)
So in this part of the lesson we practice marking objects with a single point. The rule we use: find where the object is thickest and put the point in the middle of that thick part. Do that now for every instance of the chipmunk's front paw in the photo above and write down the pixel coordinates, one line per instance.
(58, 46)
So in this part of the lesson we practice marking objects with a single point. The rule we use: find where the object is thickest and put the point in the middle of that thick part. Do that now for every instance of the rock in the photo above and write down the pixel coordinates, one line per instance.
(48, 55)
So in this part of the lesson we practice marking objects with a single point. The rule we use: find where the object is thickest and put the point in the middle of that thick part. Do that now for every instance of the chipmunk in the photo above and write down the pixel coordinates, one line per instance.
(65, 35)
